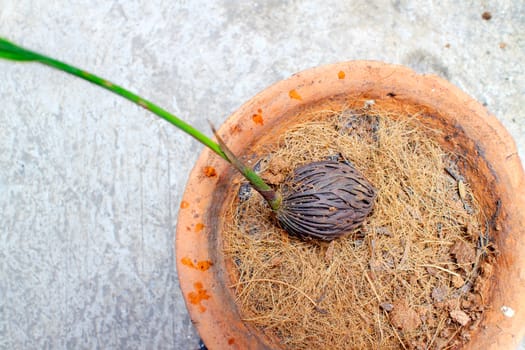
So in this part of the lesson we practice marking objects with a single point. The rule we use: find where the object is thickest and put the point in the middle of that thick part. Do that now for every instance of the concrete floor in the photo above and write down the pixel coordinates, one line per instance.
(90, 184)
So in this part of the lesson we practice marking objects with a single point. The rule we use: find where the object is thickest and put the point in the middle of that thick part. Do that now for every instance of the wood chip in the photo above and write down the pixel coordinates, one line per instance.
(463, 252)
(386, 306)
(439, 294)
(460, 317)
(403, 317)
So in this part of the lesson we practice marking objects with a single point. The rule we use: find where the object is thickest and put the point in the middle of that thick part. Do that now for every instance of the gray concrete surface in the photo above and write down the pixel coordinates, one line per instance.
(90, 185)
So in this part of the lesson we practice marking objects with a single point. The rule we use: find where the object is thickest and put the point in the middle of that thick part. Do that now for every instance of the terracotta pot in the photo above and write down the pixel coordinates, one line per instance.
(493, 169)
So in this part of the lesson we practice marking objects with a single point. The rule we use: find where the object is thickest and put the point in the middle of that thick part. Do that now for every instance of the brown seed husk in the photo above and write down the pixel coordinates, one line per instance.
(324, 200)
(313, 295)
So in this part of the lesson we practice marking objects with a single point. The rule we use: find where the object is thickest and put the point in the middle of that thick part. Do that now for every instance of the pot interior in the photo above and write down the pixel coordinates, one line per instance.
(488, 161)
(450, 136)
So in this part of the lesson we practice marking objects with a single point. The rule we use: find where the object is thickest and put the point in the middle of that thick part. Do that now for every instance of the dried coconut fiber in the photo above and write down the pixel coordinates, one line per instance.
(411, 277)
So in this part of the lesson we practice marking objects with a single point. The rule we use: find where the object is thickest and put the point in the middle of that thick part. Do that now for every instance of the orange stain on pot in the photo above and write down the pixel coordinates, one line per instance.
(187, 262)
(235, 129)
(209, 171)
(184, 205)
(202, 265)
(199, 227)
(258, 118)
(341, 74)
(196, 297)
(231, 341)
(295, 95)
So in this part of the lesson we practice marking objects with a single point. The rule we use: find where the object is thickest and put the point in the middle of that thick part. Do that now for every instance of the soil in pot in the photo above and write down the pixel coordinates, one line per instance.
(414, 276)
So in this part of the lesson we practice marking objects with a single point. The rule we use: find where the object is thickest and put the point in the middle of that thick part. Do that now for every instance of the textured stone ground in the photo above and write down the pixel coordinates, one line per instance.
(90, 185)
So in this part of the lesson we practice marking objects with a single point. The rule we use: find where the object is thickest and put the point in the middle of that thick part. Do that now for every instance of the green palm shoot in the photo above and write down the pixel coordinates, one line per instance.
(14, 52)
(320, 200)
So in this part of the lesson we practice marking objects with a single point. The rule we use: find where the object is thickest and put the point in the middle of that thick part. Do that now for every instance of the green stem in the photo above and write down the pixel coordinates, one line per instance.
(11, 51)
(273, 198)
(14, 52)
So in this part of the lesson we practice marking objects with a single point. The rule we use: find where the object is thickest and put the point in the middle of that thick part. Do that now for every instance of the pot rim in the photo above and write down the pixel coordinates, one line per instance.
(209, 303)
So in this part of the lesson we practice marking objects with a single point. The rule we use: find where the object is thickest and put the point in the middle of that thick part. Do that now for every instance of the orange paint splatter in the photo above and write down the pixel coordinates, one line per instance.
(231, 341)
(209, 171)
(341, 75)
(199, 227)
(203, 265)
(184, 205)
(295, 95)
(196, 297)
(187, 262)
(258, 118)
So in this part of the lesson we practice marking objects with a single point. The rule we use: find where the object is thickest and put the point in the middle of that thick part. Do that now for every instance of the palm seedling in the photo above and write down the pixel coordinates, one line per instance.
(322, 200)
